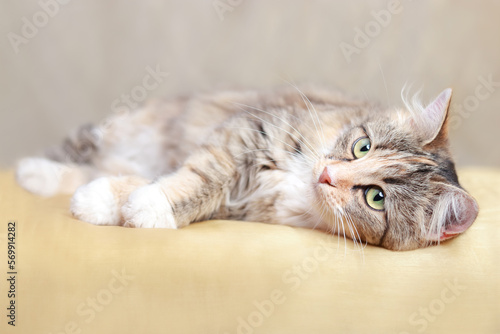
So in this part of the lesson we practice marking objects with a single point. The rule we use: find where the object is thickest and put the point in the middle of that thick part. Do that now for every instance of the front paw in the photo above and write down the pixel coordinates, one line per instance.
(96, 203)
(148, 207)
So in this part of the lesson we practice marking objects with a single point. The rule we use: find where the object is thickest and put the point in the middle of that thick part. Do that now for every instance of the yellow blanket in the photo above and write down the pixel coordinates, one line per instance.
(237, 277)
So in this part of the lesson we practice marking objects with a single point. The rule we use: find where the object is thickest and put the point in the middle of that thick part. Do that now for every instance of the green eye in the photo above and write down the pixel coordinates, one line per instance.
(361, 147)
(375, 197)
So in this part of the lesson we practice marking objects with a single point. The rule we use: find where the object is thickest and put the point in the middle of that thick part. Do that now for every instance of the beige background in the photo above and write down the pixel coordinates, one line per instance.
(90, 52)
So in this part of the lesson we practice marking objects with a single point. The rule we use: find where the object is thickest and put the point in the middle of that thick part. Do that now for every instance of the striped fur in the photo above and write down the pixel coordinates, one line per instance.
(258, 156)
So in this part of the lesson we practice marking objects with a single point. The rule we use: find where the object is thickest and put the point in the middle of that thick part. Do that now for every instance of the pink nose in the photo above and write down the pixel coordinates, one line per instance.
(325, 177)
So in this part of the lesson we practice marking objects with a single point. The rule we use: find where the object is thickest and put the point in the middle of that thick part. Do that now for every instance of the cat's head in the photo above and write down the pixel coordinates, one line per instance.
(390, 178)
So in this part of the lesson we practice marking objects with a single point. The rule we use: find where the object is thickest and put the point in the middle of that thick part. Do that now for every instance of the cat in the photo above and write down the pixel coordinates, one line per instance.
(311, 157)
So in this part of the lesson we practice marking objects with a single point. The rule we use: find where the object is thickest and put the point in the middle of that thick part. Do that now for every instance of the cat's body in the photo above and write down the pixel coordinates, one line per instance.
(283, 156)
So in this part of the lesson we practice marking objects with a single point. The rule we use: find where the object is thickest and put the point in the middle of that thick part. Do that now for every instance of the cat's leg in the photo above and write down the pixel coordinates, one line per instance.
(193, 193)
(46, 177)
(100, 201)
(64, 167)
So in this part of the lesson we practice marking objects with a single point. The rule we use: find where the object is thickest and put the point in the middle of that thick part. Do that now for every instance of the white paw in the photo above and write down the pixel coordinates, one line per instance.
(40, 176)
(148, 207)
(96, 203)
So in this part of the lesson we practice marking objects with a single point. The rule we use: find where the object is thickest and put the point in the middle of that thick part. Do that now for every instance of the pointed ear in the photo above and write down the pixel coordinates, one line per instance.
(453, 214)
(431, 121)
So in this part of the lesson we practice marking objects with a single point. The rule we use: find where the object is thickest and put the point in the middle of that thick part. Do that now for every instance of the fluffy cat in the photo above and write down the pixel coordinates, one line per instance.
(310, 158)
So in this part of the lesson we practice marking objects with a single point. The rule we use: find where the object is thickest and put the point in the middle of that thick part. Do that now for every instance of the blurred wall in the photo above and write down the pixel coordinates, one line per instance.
(63, 63)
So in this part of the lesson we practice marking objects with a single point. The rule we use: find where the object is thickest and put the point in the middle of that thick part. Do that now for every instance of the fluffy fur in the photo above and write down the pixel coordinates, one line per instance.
(259, 156)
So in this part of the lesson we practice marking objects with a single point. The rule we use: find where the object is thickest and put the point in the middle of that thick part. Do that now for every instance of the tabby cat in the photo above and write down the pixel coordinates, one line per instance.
(311, 158)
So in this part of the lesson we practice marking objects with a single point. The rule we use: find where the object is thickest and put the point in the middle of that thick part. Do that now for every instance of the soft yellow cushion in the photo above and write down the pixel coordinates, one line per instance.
(236, 277)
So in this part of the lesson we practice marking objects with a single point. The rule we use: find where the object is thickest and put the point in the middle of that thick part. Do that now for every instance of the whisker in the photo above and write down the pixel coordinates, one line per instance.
(357, 236)
(343, 231)
(349, 226)
(356, 232)
(324, 210)
(337, 227)
(385, 82)
(309, 103)
(353, 236)
(320, 217)
(331, 228)
(305, 214)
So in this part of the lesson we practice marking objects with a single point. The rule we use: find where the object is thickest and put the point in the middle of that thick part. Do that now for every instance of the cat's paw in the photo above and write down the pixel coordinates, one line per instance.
(148, 207)
(40, 176)
(96, 203)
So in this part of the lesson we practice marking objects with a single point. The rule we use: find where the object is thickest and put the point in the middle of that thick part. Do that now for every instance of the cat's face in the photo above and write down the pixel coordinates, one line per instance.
(389, 181)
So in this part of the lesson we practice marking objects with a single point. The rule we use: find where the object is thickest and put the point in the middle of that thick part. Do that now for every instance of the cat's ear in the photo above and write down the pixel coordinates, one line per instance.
(455, 211)
(430, 123)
